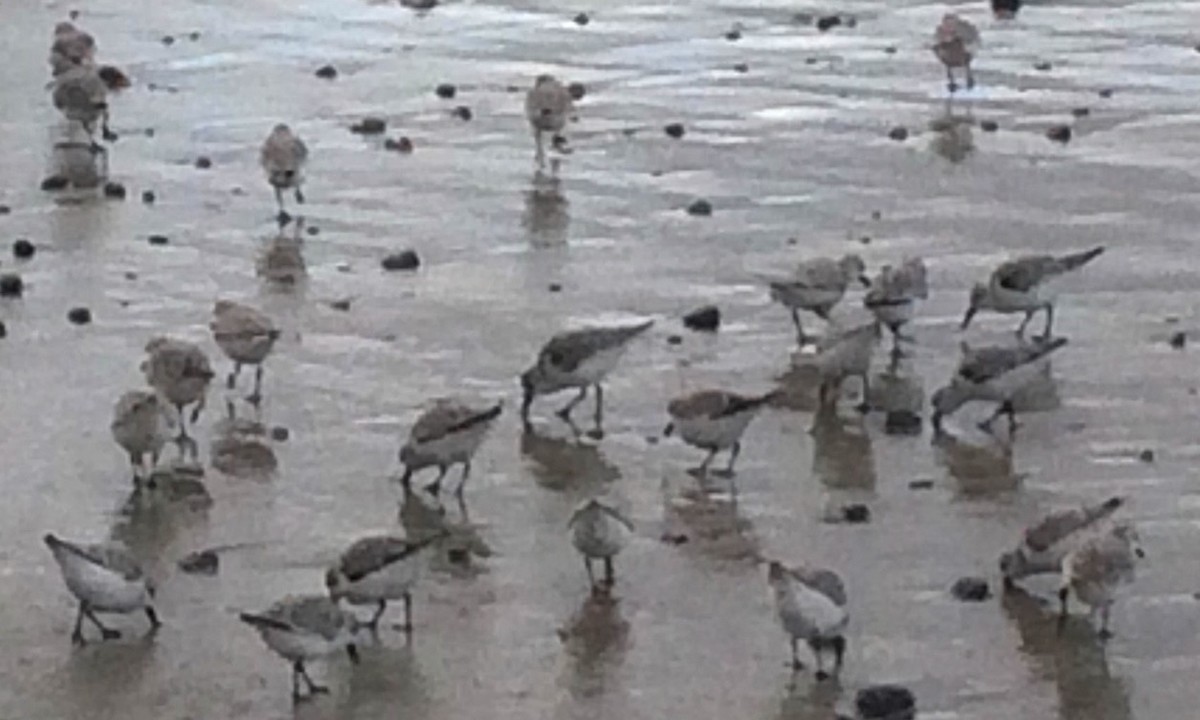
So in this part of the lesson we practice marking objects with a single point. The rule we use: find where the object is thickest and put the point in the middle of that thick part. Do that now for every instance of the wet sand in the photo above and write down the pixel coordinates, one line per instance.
(790, 149)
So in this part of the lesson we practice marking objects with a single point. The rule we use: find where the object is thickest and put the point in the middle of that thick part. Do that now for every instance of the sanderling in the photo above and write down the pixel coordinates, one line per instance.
(816, 286)
(1026, 285)
(996, 374)
(180, 372)
(141, 426)
(955, 42)
(283, 157)
(844, 355)
(1045, 544)
(811, 604)
(714, 420)
(302, 628)
(599, 532)
(105, 578)
(894, 295)
(447, 433)
(71, 46)
(1098, 568)
(577, 359)
(379, 568)
(547, 106)
(246, 336)
(81, 96)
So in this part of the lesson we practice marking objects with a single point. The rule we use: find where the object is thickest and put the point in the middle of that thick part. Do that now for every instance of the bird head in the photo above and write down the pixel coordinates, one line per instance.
(334, 580)
(976, 301)
(853, 268)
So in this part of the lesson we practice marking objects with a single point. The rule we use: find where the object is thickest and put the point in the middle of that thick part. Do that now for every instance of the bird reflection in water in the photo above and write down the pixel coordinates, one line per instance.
(421, 516)
(547, 213)
(806, 700)
(842, 456)
(595, 639)
(1073, 659)
(710, 525)
(281, 263)
(953, 137)
(239, 449)
(981, 470)
(559, 464)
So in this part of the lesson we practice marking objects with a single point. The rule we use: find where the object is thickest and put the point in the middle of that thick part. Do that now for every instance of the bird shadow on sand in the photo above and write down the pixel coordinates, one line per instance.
(547, 217)
(595, 639)
(566, 464)
(979, 470)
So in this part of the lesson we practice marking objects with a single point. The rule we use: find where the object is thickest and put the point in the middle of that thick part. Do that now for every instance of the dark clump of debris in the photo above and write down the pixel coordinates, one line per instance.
(700, 208)
(403, 260)
(705, 319)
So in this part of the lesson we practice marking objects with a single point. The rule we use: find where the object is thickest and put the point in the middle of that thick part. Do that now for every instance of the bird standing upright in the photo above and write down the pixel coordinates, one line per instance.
(283, 157)
(180, 372)
(447, 433)
(141, 426)
(246, 336)
(714, 420)
(894, 295)
(376, 569)
(1097, 569)
(302, 628)
(955, 42)
(811, 605)
(547, 106)
(816, 286)
(599, 532)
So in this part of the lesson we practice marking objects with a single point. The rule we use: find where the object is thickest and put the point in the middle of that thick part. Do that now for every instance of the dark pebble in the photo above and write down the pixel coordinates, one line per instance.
(675, 340)
(369, 126)
(168, 40)
(342, 305)
(193, 36)
(404, 260)
(989, 125)
(446, 91)
(582, 19)
(555, 287)
(1059, 133)
(865, 239)
(1146, 456)
(890, 49)
(462, 112)
(576, 90)
(856, 514)
(280, 434)
(11, 285)
(876, 214)
(114, 190)
(3, 330)
(313, 230)
(23, 249)
(203, 163)
(402, 145)
(1106, 93)
(148, 132)
(828, 22)
(898, 133)
(792, 241)
(1043, 66)
(148, 197)
(158, 240)
(1081, 112)
(705, 319)
(1178, 340)
(885, 702)
(674, 538)
(733, 35)
(4, 209)
(79, 316)
(971, 589)
(810, 60)
(902, 422)
(920, 485)
(803, 18)
(54, 182)
(741, 67)
(700, 208)
(327, 72)
(458, 555)
(204, 562)
(674, 130)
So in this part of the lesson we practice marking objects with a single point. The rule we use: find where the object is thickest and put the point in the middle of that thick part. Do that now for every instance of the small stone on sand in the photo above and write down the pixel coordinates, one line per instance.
(114, 191)
(11, 285)
(369, 126)
(1059, 133)
(462, 112)
(203, 562)
(700, 208)
(148, 197)
(582, 19)
(898, 133)
(403, 260)
(23, 249)
(79, 316)
(203, 162)
(971, 589)
(279, 433)
(1179, 340)
(401, 145)
(327, 72)
(158, 240)
(674, 130)
(705, 319)
(828, 22)
(446, 91)
(989, 125)
(576, 90)
(54, 182)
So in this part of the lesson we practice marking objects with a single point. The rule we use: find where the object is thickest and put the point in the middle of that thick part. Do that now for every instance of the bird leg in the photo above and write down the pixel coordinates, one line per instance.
(313, 688)
(77, 635)
(105, 132)
(183, 436)
(198, 409)
(435, 488)
(733, 455)
(702, 469)
(231, 381)
(970, 77)
(839, 653)
(598, 417)
(1024, 323)
(815, 645)
(565, 411)
(539, 154)
(255, 397)
(864, 405)
(408, 626)
(797, 666)
(587, 565)
(106, 633)
(1049, 322)
(950, 84)
(1105, 633)
(283, 218)
(801, 338)
(1008, 409)
(1064, 594)
(610, 576)
(373, 623)
(299, 195)
(406, 479)
(152, 616)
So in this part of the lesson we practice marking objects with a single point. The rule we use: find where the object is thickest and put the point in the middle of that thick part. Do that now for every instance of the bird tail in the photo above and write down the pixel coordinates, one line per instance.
(1104, 509)
(741, 404)
(483, 417)
(1046, 347)
(1076, 260)
(263, 623)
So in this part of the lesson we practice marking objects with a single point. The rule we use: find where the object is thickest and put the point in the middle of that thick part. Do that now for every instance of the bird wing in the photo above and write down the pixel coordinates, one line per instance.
(315, 614)
(107, 555)
(617, 515)
(240, 321)
(826, 582)
(818, 274)
(984, 364)
(447, 417)
(1059, 525)
(566, 351)
(372, 554)
(855, 334)
(702, 403)
(1024, 274)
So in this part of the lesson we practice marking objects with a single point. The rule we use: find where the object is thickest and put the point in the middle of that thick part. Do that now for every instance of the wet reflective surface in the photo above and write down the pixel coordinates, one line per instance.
(797, 147)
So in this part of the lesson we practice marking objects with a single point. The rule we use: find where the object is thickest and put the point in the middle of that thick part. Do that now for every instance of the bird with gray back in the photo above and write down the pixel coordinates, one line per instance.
(141, 425)
(845, 355)
(283, 157)
(105, 578)
(714, 420)
(71, 47)
(79, 93)
(894, 295)
(180, 372)
(599, 532)
(303, 628)
(246, 336)
(993, 374)
(577, 359)
(1044, 544)
(447, 433)
(955, 43)
(816, 286)
(377, 569)
(548, 104)
(1026, 285)
(1097, 569)
(811, 606)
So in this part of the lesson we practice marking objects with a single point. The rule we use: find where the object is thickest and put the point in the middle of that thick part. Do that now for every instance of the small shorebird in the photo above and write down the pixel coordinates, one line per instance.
(180, 372)
(1045, 544)
(811, 605)
(141, 426)
(577, 359)
(955, 42)
(80, 94)
(1006, 9)
(845, 355)
(246, 336)
(547, 106)
(714, 420)
(302, 628)
(816, 286)
(376, 569)
(446, 434)
(599, 532)
(282, 157)
(995, 374)
(105, 578)
(1097, 569)
(1026, 285)
(71, 46)
(894, 295)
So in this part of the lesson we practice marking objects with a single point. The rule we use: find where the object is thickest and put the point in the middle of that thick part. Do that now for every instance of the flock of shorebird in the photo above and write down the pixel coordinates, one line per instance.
(1093, 553)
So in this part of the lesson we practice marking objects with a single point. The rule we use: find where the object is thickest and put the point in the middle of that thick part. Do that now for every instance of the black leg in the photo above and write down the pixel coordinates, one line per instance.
(106, 633)
(231, 381)
(1011, 412)
(733, 456)
(182, 422)
(797, 666)
(462, 483)
(299, 195)
(77, 635)
(587, 565)
(801, 338)
(198, 409)
(565, 412)
(1063, 595)
(408, 625)
(864, 405)
(296, 667)
(152, 616)
(435, 488)
(970, 77)
(1049, 322)
(373, 623)
(950, 84)
(815, 646)
(702, 469)
(839, 653)
(313, 688)
(598, 432)
(406, 478)
(610, 576)
(256, 397)
(1024, 323)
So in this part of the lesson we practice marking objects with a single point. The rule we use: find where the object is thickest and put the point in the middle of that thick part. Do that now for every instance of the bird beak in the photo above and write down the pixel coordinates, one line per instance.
(670, 428)
(967, 317)
(352, 651)
(866, 281)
